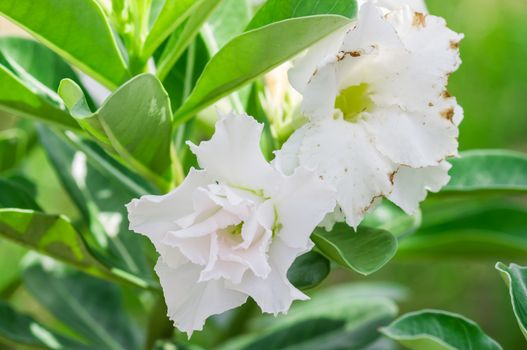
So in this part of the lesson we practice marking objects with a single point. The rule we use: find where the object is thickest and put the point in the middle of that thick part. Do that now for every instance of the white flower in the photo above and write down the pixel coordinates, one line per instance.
(231, 230)
(382, 123)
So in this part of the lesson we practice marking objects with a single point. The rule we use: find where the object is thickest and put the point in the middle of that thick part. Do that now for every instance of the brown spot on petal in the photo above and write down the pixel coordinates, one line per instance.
(446, 94)
(448, 114)
(392, 176)
(454, 45)
(419, 20)
(430, 104)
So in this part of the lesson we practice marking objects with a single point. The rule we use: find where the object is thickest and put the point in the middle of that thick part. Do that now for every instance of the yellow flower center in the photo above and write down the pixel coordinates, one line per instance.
(352, 101)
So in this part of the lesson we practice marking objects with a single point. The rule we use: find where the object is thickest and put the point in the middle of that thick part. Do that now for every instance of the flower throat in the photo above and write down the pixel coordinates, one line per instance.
(352, 101)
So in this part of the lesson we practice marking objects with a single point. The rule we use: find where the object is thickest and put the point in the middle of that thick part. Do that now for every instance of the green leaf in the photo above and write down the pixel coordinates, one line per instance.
(279, 10)
(228, 20)
(308, 270)
(488, 170)
(134, 122)
(183, 36)
(11, 255)
(13, 146)
(29, 76)
(14, 195)
(335, 318)
(253, 53)
(365, 251)
(35, 64)
(516, 279)
(91, 307)
(387, 216)
(100, 188)
(52, 235)
(172, 15)
(76, 30)
(23, 330)
(438, 330)
(468, 229)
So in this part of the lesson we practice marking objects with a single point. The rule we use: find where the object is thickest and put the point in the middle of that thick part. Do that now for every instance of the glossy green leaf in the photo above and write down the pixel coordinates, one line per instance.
(279, 10)
(488, 170)
(387, 216)
(29, 74)
(14, 195)
(468, 230)
(516, 279)
(253, 53)
(22, 330)
(52, 235)
(91, 307)
(13, 145)
(76, 30)
(308, 270)
(100, 188)
(172, 14)
(134, 122)
(365, 251)
(334, 319)
(438, 330)
(182, 37)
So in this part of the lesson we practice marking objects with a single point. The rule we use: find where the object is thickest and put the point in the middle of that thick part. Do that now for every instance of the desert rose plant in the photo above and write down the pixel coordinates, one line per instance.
(214, 161)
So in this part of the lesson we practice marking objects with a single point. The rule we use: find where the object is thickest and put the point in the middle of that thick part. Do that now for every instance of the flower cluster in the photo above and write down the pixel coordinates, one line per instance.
(378, 122)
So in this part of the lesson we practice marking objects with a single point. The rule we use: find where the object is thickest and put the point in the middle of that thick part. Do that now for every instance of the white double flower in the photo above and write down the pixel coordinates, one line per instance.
(231, 230)
(381, 122)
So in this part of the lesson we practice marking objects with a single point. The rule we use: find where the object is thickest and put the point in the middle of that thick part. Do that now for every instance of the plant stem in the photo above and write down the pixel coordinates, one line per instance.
(159, 326)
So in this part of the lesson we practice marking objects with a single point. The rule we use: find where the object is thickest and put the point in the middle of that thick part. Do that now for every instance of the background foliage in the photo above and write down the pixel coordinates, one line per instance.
(490, 85)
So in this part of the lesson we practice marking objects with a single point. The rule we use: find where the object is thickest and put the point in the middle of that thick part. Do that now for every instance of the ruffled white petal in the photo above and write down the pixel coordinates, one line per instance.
(154, 216)
(411, 138)
(411, 185)
(301, 203)
(343, 155)
(390, 5)
(274, 294)
(191, 302)
(316, 56)
(233, 156)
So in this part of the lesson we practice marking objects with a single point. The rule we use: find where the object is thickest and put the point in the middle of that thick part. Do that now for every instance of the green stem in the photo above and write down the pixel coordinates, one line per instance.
(159, 326)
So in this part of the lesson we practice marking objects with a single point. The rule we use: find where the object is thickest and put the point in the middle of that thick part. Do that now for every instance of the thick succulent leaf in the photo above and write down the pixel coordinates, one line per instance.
(22, 330)
(516, 279)
(52, 235)
(100, 188)
(484, 170)
(468, 229)
(438, 330)
(308, 270)
(91, 307)
(365, 251)
(172, 14)
(76, 30)
(182, 37)
(253, 53)
(279, 10)
(336, 318)
(134, 122)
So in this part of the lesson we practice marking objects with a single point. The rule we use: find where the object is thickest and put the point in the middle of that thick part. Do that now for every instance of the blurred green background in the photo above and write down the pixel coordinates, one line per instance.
(491, 85)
